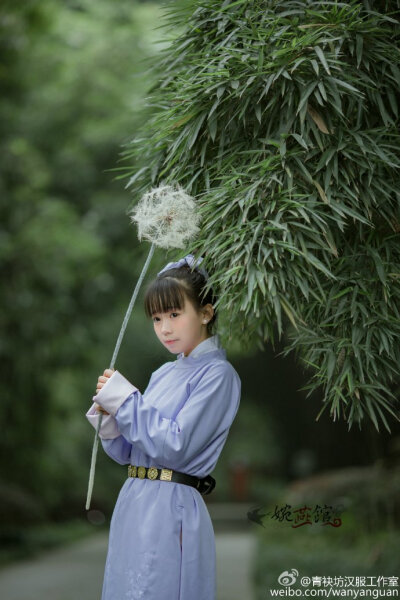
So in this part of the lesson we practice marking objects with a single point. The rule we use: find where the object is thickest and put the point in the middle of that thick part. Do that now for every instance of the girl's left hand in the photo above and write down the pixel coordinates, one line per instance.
(99, 409)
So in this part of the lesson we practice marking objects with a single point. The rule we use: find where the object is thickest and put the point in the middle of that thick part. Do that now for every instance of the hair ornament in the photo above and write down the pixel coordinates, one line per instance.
(189, 260)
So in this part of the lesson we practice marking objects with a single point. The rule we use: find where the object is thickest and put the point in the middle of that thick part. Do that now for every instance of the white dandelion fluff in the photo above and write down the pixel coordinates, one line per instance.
(166, 216)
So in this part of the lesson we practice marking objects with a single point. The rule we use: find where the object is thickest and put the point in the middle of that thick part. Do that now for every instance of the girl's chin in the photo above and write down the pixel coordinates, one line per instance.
(173, 349)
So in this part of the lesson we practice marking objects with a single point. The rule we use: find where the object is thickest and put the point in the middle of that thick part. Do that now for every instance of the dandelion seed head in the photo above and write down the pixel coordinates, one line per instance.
(166, 216)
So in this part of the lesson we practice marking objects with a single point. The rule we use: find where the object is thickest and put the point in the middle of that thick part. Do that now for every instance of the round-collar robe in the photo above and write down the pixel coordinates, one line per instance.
(180, 422)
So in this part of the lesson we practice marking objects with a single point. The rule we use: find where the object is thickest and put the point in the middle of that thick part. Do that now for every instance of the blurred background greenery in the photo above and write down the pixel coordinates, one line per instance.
(73, 79)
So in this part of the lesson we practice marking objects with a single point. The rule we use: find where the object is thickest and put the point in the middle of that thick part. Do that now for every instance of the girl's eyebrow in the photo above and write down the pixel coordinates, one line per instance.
(173, 309)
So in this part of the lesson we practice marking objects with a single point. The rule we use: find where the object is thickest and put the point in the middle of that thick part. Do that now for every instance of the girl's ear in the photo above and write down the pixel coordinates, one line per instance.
(208, 311)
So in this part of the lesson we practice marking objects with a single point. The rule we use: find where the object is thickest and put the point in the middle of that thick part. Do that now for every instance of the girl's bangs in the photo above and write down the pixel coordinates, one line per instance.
(162, 296)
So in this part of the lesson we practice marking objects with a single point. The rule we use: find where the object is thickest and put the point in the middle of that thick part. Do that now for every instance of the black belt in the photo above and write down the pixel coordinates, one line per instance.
(204, 486)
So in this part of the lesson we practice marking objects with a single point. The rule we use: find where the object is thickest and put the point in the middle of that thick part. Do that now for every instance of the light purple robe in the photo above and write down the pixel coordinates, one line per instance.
(180, 422)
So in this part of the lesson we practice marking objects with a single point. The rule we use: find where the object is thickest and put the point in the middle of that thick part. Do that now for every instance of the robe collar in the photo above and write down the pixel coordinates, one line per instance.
(211, 344)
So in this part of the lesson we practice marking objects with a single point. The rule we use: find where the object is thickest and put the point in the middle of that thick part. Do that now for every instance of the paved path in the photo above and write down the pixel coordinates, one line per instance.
(234, 560)
(71, 573)
(76, 571)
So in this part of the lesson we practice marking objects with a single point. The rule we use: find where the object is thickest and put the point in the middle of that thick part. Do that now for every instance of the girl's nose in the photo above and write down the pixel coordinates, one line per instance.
(165, 326)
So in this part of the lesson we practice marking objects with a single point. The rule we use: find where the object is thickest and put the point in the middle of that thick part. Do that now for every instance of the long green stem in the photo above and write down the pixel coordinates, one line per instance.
(113, 360)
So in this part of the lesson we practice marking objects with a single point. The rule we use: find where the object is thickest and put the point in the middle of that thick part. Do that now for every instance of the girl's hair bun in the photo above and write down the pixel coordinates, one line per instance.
(189, 260)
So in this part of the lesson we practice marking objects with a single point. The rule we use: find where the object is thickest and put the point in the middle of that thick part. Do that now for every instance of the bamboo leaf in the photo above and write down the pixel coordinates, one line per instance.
(212, 127)
(305, 95)
(321, 192)
(318, 120)
(346, 85)
(322, 58)
(300, 140)
(257, 110)
(359, 49)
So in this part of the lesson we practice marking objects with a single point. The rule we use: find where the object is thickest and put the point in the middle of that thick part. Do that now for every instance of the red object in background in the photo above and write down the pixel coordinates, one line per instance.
(239, 481)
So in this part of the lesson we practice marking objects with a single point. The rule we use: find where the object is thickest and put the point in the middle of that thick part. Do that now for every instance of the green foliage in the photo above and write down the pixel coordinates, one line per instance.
(67, 252)
(26, 543)
(317, 551)
(366, 502)
(282, 117)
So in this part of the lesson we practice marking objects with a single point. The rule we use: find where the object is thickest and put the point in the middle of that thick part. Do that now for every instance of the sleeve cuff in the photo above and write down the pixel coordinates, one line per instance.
(114, 393)
(109, 429)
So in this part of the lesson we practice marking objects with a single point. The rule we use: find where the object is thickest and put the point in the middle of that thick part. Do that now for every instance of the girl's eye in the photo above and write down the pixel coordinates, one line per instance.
(155, 319)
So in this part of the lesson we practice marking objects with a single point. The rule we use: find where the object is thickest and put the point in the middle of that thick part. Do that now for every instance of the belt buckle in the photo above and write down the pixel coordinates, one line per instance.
(207, 485)
(166, 475)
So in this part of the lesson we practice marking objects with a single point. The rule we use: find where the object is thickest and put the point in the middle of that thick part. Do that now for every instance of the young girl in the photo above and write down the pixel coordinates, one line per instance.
(161, 544)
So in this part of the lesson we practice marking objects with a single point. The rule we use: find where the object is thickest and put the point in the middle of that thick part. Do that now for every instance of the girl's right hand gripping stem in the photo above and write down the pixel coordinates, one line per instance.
(102, 380)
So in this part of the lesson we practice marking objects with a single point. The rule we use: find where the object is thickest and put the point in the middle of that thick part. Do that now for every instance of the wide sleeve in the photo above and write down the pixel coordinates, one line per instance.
(109, 429)
(207, 413)
(113, 442)
(118, 449)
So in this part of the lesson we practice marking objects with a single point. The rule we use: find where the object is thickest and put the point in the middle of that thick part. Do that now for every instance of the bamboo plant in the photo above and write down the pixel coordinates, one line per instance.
(282, 118)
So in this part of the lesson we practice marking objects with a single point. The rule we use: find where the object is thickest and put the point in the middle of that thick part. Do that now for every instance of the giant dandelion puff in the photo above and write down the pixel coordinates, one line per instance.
(167, 217)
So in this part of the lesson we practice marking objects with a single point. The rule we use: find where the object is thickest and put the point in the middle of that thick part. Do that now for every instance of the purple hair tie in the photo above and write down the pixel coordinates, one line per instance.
(189, 260)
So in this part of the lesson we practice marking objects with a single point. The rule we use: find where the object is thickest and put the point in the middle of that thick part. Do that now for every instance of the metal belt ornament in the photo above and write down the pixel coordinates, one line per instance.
(152, 473)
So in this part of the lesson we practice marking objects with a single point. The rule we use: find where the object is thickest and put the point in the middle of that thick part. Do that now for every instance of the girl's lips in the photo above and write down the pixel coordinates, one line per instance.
(170, 341)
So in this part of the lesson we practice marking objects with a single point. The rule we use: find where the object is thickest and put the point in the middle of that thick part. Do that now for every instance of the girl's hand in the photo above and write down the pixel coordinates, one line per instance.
(102, 380)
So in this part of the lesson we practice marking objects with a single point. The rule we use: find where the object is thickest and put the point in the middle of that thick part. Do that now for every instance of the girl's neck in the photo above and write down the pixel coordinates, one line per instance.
(201, 341)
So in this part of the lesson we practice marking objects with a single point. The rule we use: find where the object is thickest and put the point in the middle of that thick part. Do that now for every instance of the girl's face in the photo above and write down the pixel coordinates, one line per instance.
(181, 330)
